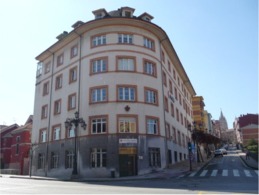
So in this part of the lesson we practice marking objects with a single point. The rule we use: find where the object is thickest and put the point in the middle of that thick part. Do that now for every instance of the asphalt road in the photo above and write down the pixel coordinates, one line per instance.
(223, 175)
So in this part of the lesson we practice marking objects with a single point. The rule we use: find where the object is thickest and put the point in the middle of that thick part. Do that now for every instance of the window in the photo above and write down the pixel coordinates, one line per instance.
(58, 84)
(181, 116)
(127, 125)
(164, 79)
(73, 75)
(174, 135)
(46, 88)
(71, 132)
(175, 93)
(98, 157)
(152, 125)
(44, 111)
(41, 160)
(99, 94)
(174, 74)
(167, 129)
(148, 43)
(170, 86)
(125, 38)
(39, 69)
(126, 93)
(177, 114)
(169, 66)
(56, 132)
(151, 96)
(154, 157)
(54, 160)
(43, 135)
(99, 65)
(57, 107)
(180, 99)
(183, 140)
(60, 59)
(17, 144)
(99, 125)
(125, 64)
(69, 159)
(172, 109)
(179, 138)
(47, 68)
(166, 104)
(98, 40)
(74, 51)
(163, 56)
(149, 68)
(71, 101)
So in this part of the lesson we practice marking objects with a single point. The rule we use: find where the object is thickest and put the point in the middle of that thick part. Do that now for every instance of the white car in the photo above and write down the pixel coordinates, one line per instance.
(218, 153)
(224, 151)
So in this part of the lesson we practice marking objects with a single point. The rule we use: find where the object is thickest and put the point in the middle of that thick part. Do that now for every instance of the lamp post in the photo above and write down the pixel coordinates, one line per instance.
(68, 124)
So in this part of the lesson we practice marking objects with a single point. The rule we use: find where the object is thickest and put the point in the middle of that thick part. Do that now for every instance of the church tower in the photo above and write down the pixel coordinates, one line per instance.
(223, 122)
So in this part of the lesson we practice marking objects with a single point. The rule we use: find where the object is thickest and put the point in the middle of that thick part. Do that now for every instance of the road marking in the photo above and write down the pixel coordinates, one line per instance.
(203, 173)
(236, 173)
(214, 173)
(191, 175)
(256, 171)
(247, 173)
(225, 173)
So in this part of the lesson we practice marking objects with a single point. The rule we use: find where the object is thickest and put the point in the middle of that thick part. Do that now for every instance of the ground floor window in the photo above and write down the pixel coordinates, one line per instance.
(98, 157)
(154, 157)
(69, 159)
(54, 160)
(41, 160)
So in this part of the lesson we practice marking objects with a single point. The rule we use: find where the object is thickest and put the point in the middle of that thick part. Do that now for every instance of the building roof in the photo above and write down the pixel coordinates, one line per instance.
(105, 21)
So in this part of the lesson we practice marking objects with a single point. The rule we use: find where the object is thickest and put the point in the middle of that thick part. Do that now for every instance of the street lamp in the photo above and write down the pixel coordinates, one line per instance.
(68, 124)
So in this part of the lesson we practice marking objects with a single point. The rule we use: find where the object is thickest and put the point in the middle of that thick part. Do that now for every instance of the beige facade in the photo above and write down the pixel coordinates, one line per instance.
(124, 78)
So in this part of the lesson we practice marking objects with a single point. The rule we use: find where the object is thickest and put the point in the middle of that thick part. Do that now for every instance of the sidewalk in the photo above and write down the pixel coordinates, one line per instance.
(175, 170)
(250, 162)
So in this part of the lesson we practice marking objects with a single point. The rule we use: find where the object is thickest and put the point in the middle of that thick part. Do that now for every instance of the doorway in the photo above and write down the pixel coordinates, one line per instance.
(128, 165)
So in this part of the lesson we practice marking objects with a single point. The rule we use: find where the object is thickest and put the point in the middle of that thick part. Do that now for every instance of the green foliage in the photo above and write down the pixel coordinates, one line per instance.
(252, 146)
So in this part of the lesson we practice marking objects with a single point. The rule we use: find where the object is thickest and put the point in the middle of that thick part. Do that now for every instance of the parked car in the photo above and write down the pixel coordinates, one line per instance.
(218, 153)
(224, 151)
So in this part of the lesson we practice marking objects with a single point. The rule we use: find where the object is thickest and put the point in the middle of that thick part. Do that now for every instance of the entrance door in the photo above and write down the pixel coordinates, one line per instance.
(128, 164)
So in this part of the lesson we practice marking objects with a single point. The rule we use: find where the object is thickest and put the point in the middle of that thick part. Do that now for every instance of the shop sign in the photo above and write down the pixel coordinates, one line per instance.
(128, 141)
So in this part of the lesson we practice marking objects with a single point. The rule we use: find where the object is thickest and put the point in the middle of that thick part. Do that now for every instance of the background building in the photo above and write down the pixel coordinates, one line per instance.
(198, 112)
(246, 128)
(123, 76)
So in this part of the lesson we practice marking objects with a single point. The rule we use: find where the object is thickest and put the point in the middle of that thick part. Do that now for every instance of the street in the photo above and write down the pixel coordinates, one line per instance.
(222, 175)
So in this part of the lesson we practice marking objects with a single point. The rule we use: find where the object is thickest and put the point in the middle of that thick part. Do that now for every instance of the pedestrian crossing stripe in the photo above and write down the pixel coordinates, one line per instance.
(225, 173)
(214, 173)
(247, 173)
(236, 173)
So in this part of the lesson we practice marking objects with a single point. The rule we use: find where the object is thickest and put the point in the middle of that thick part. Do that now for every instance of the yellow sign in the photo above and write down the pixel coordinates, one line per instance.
(129, 150)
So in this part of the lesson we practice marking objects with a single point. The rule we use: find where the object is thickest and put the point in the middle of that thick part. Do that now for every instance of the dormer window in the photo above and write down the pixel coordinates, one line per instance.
(100, 13)
(146, 16)
(127, 12)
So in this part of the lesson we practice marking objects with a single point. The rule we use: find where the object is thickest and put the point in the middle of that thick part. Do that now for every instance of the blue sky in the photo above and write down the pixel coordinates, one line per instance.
(216, 41)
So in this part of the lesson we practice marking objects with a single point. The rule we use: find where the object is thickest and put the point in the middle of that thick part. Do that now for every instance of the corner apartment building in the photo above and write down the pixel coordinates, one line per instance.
(123, 76)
